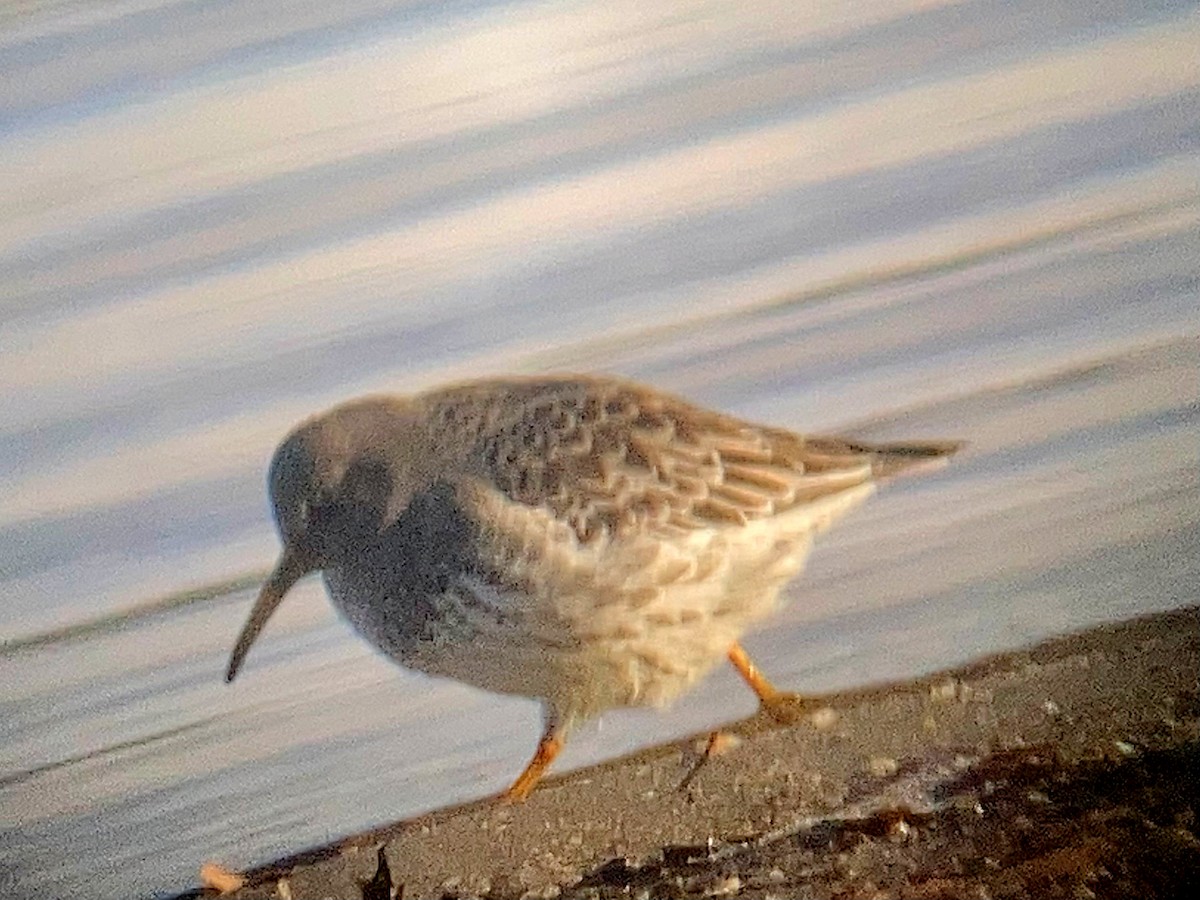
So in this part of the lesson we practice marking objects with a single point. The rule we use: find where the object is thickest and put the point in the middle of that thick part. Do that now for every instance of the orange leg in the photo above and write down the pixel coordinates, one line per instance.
(782, 706)
(767, 692)
(717, 743)
(547, 749)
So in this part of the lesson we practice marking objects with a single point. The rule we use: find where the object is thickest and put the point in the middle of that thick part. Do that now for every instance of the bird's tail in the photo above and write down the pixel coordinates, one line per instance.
(892, 459)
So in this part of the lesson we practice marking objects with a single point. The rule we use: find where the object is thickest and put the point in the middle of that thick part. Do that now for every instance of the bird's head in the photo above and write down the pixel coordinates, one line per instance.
(336, 483)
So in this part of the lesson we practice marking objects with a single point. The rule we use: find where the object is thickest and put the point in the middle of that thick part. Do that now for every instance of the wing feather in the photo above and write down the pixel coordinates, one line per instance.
(608, 457)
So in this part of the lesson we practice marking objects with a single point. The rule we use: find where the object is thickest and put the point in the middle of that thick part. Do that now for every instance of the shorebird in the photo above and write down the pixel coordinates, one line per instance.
(585, 541)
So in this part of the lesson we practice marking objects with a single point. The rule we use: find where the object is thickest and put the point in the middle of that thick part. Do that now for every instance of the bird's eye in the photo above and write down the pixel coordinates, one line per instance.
(366, 483)
(321, 512)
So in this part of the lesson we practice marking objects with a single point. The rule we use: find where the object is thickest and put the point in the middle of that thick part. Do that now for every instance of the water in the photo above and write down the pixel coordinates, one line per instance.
(907, 219)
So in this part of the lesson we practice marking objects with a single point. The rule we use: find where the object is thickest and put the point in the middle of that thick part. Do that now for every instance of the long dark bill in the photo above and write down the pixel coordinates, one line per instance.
(290, 569)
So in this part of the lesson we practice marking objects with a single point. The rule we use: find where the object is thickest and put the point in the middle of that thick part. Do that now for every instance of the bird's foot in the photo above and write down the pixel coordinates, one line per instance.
(788, 708)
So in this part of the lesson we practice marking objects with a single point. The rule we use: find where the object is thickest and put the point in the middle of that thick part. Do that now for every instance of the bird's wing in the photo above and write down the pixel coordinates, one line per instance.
(609, 458)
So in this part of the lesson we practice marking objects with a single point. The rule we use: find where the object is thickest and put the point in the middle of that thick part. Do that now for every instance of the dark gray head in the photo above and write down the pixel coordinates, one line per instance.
(337, 482)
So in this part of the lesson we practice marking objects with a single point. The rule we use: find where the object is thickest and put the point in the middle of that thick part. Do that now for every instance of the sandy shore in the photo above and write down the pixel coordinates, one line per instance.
(1069, 769)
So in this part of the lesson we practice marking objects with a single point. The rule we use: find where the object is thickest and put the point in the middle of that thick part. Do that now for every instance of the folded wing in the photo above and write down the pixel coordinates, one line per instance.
(609, 458)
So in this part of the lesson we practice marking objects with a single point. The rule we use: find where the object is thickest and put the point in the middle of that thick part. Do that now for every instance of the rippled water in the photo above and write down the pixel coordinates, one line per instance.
(905, 219)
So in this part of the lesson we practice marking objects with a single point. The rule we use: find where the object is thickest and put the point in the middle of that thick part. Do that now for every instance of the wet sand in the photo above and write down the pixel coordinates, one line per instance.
(1064, 770)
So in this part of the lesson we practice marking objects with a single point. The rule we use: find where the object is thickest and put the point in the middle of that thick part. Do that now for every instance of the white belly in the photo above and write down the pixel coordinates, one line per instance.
(633, 623)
